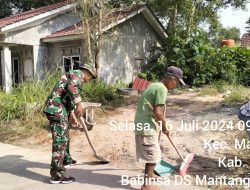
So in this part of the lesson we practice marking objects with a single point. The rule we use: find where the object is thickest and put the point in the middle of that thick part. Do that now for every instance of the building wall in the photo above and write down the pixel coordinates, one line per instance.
(24, 54)
(60, 49)
(33, 64)
(32, 34)
(126, 49)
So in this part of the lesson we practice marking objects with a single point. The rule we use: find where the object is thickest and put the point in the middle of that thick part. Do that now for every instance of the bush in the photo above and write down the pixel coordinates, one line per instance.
(202, 63)
(154, 71)
(98, 91)
(242, 58)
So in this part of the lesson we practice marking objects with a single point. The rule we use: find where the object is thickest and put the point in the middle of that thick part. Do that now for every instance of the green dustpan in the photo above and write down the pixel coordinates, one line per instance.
(164, 169)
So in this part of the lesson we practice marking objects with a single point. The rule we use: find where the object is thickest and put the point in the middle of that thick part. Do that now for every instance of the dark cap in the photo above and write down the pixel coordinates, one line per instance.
(176, 72)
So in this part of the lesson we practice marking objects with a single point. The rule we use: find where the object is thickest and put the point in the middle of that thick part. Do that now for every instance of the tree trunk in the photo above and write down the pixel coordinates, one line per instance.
(88, 41)
(171, 28)
(98, 42)
(92, 10)
(174, 19)
(190, 21)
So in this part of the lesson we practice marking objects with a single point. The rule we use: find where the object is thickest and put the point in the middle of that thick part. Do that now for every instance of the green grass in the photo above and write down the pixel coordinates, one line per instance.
(234, 93)
(26, 101)
(215, 88)
(98, 91)
(239, 94)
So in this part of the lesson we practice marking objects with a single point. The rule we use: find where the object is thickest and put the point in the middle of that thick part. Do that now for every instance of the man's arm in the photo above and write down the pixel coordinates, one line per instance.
(160, 118)
(74, 92)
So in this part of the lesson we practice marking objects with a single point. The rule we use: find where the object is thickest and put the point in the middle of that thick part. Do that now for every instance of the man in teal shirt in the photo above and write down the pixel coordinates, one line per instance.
(149, 116)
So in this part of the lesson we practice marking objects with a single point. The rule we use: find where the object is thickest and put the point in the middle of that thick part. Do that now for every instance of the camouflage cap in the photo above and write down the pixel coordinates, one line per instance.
(90, 68)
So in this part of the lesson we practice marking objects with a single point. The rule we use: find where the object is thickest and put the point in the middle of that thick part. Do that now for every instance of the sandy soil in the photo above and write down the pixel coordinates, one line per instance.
(119, 145)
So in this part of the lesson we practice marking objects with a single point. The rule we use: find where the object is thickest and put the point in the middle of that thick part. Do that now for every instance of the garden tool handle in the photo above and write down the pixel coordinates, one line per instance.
(159, 138)
(164, 114)
(86, 133)
(175, 148)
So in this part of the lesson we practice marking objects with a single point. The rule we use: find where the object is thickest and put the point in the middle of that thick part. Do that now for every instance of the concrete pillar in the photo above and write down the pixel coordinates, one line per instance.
(39, 60)
(36, 58)
(6, 69)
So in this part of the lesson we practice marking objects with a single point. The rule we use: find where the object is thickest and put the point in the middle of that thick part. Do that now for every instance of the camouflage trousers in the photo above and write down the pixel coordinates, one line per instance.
(60, 147)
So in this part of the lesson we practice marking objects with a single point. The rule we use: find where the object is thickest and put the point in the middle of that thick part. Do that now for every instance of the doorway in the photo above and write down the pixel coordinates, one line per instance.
(15, 70)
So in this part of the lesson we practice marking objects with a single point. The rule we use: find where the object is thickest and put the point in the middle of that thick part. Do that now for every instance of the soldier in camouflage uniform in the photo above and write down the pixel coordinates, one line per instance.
(59, 109)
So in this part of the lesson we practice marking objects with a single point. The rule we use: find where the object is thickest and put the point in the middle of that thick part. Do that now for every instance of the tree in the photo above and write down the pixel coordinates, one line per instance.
(91, 13)
(6, 9)
(25, 5)
(9, 7)
(215, 37)
(248, 25)
(230, 33)
(184, 17)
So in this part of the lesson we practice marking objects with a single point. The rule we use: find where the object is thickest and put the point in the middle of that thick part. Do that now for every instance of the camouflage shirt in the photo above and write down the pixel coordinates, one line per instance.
(65, 94)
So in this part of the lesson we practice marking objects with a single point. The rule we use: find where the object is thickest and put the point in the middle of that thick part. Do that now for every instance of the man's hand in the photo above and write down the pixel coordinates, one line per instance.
(79, 109)
(166, 132)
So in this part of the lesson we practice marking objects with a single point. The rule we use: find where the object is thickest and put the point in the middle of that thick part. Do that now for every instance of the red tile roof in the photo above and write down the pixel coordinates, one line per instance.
(111, 17)
(28, 14)
(245, 39)
(71, 30)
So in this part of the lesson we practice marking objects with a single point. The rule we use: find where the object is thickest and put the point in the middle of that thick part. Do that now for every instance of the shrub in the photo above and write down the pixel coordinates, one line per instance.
(242, 58)
(154, 71)
(202, 63)
(98, 91)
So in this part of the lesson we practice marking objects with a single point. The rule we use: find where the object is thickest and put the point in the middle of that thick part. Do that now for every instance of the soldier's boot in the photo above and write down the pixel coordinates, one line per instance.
(63, 180)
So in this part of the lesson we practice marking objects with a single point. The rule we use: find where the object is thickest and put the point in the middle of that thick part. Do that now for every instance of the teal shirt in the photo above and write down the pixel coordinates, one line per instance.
(155, 94)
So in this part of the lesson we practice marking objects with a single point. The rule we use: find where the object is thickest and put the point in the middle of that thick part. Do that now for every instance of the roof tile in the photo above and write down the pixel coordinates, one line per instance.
(245, 39)
(28, 14)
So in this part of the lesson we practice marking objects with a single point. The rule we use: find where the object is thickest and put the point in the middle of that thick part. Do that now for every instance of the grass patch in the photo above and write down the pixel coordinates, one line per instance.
(98, 91)
(234, 93)
(26, 102)
(239, 94)
(216, 88)
(26, 99)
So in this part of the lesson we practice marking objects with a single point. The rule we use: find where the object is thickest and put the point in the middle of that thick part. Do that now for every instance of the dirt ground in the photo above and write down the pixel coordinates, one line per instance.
(119, 145)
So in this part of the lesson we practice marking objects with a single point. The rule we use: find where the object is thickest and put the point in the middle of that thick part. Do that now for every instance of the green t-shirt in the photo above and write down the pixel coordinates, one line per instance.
(155, 94)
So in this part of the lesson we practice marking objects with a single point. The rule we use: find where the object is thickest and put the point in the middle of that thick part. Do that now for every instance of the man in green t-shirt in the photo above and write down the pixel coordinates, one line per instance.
(148, 119)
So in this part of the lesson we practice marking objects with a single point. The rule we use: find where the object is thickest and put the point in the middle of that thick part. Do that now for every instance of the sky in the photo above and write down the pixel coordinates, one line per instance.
(230, 17)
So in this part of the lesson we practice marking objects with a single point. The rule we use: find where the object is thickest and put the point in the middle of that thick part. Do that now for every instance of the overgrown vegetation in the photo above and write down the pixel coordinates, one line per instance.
(27, 100)
(98, 91)
(202, 63)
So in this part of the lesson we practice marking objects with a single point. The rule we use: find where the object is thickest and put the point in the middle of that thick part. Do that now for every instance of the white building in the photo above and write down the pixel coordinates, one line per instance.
(49, 38)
